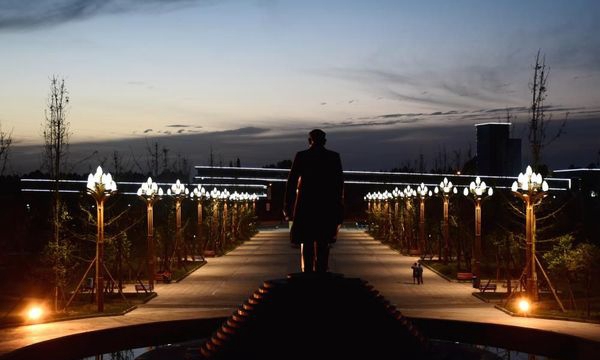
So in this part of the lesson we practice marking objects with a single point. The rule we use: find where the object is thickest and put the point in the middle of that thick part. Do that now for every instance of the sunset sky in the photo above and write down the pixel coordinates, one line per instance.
(387, 80)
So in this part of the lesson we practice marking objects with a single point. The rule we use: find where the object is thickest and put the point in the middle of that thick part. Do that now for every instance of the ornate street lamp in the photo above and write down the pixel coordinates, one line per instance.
(446, 188)
(214, 195)
(235, 199)
(150, 193)
(369, 199)
(477, 189)
(423, 192)
(224, 216)
(409, 194)
(397, 218)
(179, 192)
(387, 212)
(531, 188)
(199, 194)
(100, 186)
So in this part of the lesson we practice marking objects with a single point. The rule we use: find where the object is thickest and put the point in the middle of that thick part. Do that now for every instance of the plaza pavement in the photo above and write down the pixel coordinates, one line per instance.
(219, 287)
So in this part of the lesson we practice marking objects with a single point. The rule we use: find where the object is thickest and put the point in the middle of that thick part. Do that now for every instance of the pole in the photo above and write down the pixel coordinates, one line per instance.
(532, 288)
(100, 255)
(224, 224)
(199, 228)
(422, 226)
(233, 220)
(151, 257)
(396, 222)
(446, 230)
(178, 230)
(476, 265)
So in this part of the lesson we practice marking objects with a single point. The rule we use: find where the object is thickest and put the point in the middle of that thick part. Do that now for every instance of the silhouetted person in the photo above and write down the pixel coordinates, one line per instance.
(420, 274)
(314, 201)
(415, 271)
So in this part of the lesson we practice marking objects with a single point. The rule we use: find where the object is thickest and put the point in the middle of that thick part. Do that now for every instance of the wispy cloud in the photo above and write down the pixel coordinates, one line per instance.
(17, 14)
(369, 75)
(367, 123)
(427, 100)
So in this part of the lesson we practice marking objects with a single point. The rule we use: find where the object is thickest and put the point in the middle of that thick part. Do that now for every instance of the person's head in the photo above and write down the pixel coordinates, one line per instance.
(316, 137)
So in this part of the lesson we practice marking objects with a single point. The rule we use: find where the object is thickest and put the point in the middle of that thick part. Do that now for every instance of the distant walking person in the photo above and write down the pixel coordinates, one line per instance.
(314, 201)
(420, 274)
(415, 270)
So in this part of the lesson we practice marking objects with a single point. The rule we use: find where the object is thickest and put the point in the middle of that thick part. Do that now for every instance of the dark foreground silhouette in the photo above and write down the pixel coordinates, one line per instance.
(320, 316)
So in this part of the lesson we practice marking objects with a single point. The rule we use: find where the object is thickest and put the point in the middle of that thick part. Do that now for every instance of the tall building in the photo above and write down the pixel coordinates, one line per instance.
(497, 153)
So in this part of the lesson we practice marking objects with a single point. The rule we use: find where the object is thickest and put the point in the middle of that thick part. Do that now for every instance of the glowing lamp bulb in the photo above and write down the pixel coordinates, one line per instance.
(524, 305)
(35, 313)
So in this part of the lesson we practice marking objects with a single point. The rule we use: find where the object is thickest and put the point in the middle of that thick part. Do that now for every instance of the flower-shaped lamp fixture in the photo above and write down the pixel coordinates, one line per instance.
(178, 190)
(100, 185)
(478, 189)
(529, 182)
(199, 193)
(446, 188)
(150, 190)
(423, 191)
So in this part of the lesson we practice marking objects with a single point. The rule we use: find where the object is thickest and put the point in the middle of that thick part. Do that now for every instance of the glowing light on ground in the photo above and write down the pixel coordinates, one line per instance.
(35, 313)
(524, 305)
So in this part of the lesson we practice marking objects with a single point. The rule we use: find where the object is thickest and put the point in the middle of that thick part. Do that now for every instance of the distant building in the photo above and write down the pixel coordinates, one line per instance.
(497, 153)
(586, 182)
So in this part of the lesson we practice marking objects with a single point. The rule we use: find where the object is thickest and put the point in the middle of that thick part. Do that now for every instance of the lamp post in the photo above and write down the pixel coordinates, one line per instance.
(397, 218)
(477, 189)
(100, 186)
(199, 194)
(234, 197)
(150, 193)
(446, 188)
(531, 188)
(369, 199)
(387, 213)
(179, 192)
(423, 192)
(409, 194)
(224, 216)
(214, 220)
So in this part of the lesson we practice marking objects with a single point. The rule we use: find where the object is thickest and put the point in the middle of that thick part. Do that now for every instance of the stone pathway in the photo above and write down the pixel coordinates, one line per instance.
(220, 286)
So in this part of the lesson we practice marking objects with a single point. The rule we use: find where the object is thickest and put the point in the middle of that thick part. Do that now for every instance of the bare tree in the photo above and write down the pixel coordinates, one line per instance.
(538, 121)
(56, 145)
(5, 142)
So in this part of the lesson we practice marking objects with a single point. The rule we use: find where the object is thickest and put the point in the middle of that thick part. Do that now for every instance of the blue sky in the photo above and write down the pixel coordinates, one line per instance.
(419, 70)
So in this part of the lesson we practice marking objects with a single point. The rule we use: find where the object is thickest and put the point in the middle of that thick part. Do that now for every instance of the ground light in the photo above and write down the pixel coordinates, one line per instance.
(524, 306)
(35, 313)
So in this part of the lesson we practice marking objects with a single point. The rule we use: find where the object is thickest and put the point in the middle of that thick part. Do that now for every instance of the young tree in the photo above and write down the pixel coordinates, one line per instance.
(56, 144)
(561, 260)
(586, 258)
(538, 122)
(5, 142)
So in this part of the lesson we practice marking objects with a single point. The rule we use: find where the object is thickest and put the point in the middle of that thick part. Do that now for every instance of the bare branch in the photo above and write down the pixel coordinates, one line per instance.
(5, 142)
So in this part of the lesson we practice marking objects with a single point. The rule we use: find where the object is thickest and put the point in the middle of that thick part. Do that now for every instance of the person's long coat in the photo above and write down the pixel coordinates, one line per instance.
(314, 195)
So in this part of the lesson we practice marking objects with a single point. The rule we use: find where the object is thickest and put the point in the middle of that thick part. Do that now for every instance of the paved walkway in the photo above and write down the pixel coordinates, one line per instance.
(219, 287)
